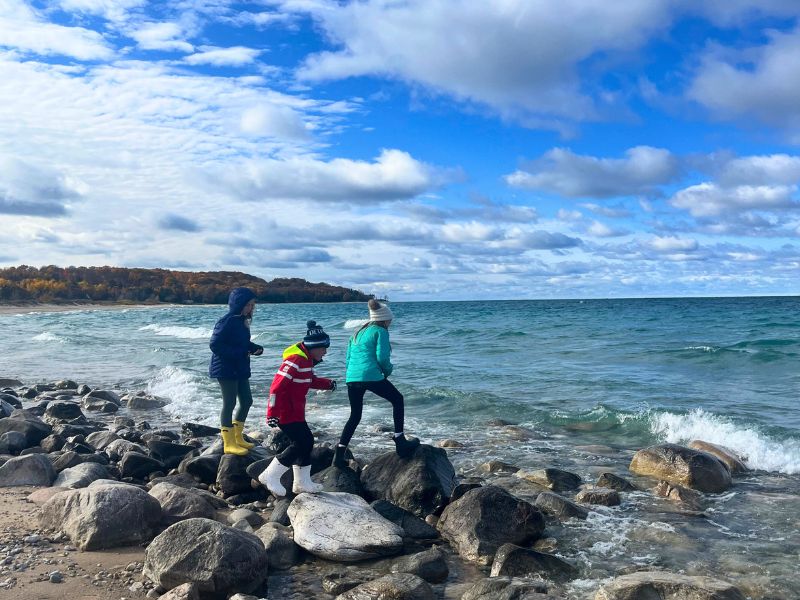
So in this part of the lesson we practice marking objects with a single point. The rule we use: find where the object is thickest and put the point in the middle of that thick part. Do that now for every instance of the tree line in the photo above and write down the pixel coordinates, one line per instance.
(116, 284)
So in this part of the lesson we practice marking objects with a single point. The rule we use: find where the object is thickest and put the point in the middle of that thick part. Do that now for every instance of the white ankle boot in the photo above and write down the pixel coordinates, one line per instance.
(270, 478)
(302, 481)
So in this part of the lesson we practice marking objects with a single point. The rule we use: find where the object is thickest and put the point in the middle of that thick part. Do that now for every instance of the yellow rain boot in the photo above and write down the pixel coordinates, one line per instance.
(238, 428)
(229, 442)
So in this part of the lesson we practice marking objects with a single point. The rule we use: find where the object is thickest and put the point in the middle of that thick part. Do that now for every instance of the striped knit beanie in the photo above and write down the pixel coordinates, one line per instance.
(316, 337)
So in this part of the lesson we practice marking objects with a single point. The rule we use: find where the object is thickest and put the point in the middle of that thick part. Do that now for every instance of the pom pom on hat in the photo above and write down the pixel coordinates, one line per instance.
(379, 312)
(315, 336)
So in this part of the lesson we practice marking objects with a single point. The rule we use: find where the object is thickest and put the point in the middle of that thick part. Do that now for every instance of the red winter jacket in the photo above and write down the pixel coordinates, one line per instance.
(287, 394)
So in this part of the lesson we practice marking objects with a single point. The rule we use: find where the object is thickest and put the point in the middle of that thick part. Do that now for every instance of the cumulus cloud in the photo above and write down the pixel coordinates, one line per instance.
(274, 120)
(162, 36)
(24, 29)
(710, 199)
(598, 229)
(235, 56)
(772, 169)
(29, 189)
(562, 172)
(112, 10)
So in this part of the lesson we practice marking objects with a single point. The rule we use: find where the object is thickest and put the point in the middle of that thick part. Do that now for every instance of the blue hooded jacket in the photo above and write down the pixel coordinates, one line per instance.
(230, 343)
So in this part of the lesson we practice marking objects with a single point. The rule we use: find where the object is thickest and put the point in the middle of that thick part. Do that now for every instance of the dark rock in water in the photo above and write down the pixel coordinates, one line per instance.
(484, 519)
(52, 443)
(280, 512)
(178, 503)
(498, 466)
(507, 588)
(554, 479)
(232, 477)
(11, 399)
(499, 423)
(10, 382)
(80, 476)
(12, 442)
(35, 469)
(219, 560)
(196, 430)
(66, 384)
(99, 405)
(29, 393)
(105, 395)
(83, 389)
(601, 496)
(124, 422)
(461, 489)
(644, 585)
(131, 435)
(101, 439)
(33, 428)
(725, 455)
(334, 479)
(139, 466)
(143, 401)
(413, 526)
(559, 507)
(682, 466)
(282, 552)
(44, 387)
(169, 454)
(62, 411)
(516, 561)
(103, 515)
(691, 499)
(203, 467)
(341, 580)
(615, 482)
(430, 565)
(421, 484)
(397, 586)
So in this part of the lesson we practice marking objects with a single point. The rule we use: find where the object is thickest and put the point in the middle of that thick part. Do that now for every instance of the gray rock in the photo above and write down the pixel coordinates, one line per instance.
(255, 519)
(124, 422)
(139, 466)
(615, 482)
(498, 466)
(103, 515)
(727, 456)
(412, 525)
(339, 581)
(66, 384)
(52, 443)
(34, 469)
(10, 382)
(204, 468)
(559, 507)
(142, 401)
(232, 477)
(421, 484)
(278, 541)
(119, 448)
(185, 591)
(682, 466)
(516, 561)
(101, 439)
(105, 395)
(220, 560)
(397, 586)
(5, 409)
(13, 442)
(99, 405)
(334, 479)
(178, 503)
(342, 527)
(484, 519)
(80, 476)
(507, 588)
(57, 412)
(280, 512)
(32, 427)
(602, 496)
(645, 585)
(56, 577)
(429, 564)
(553, 479)
(691, 499)
(463, 488)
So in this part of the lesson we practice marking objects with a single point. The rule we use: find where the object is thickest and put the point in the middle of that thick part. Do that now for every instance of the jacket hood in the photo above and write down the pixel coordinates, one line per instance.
(238, 299)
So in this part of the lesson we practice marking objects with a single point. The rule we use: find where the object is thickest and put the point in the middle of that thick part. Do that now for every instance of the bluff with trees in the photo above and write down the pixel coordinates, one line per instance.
(53, 284)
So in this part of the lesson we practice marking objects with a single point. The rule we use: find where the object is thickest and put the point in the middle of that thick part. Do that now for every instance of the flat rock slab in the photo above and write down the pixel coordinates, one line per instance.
(342, 527)
(516, 561)
(397, 586)
(647, 585)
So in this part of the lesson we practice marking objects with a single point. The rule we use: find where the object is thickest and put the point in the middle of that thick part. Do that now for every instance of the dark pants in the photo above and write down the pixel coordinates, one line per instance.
(355, 393)
(231, 389)
(299, 452)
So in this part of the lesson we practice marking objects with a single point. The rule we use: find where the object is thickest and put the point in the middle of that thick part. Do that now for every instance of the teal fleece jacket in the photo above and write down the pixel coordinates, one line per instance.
(368, 355)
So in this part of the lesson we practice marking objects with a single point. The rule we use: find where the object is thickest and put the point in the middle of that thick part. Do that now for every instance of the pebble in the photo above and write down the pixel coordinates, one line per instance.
(32, 539)
(137, 587)
(153, 594)
(69, 548)
(56, 577)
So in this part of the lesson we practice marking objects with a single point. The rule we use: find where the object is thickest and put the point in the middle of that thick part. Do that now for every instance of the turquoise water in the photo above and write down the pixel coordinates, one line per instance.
(588, 382)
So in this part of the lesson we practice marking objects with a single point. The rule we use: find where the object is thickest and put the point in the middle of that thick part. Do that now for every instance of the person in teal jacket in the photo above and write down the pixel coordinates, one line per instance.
(369, 365)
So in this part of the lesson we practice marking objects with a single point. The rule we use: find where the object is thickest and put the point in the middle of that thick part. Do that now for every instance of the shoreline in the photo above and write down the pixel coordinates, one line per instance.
(15, 309)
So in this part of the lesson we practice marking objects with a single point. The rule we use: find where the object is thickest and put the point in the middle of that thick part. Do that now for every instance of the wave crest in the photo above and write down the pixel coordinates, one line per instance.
(189, 333)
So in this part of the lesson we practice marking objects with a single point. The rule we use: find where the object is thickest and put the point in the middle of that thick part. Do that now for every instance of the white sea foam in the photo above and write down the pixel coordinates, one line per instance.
(758, 449)
(49, 337)
(703, 348)
(354, 323)
(188, 398)
(189, 333)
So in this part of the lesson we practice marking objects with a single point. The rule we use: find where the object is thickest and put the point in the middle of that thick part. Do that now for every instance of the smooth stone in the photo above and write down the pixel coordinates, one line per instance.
(13, 442)
(185, 591)
(397, 586)
(507, 588)
(80, 476)
(515, 561)
(429, 564)
(498, 466)
(690, 498)
(34, 469)
(179, 503)
(553, 479)
(561, 508)
(682, 466)
(615, 482)
(139, 466)
(728, 457)
(254, 519)
(278, 541)
(334, 479)
(413, 526)
(646, 585)
(32, 427)
(601, 496)
(101, 439)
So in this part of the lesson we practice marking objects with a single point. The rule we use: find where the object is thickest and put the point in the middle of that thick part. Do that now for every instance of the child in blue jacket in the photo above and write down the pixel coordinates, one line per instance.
(368, 368)
(230, 365)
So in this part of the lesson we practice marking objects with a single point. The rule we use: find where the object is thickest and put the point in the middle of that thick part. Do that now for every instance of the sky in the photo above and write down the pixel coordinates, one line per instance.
(417, 149)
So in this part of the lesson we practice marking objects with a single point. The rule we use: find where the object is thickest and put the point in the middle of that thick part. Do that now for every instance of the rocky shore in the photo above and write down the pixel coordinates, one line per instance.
(102, 504)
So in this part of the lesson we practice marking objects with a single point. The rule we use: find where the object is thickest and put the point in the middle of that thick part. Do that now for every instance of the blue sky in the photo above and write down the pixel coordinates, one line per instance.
(421, 150)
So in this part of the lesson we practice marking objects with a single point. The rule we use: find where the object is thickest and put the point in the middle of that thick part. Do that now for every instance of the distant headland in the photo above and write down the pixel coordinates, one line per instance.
(92, 285)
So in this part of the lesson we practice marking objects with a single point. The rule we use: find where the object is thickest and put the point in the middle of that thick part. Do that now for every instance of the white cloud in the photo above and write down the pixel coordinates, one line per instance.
(35, 190)
(602, 230)
(773, 169)
(235, 56)
(272, 120)
(112, 10)
(23, 29)
(562, 172)
(711, 200)
(672, 245)
(162, 36)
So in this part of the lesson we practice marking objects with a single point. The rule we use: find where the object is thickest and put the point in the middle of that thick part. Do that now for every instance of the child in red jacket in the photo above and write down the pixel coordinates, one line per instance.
(287, 409)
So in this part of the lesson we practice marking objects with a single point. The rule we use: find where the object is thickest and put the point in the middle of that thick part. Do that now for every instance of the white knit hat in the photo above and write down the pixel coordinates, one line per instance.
(384, 313)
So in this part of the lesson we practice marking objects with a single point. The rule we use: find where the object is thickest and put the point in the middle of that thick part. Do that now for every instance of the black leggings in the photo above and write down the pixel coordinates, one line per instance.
(231, 389)
(299, 452)
(355, 393)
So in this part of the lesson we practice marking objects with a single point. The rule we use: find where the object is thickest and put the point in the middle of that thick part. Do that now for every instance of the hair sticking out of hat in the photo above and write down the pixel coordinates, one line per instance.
(379, 312)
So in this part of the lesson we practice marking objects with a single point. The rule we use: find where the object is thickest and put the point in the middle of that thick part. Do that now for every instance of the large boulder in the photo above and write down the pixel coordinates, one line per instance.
(99, 405)
(561, 508)
(728, 457)
(80, 476)
(334, 479)
(644, 585)
(516, 561)
(615, 482)
(232, 477)
(421, 484)
(13, 442)
(220, 560)
(103, 515)
(278, 541)
(33, 469)
(342, 527)
(57, 412)
(180, 503)
(139, 466)
(32, 427)
(169, 453)
(397, 586)
(484, 519)
(204, 468)
(683, 466)
(116, 449)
